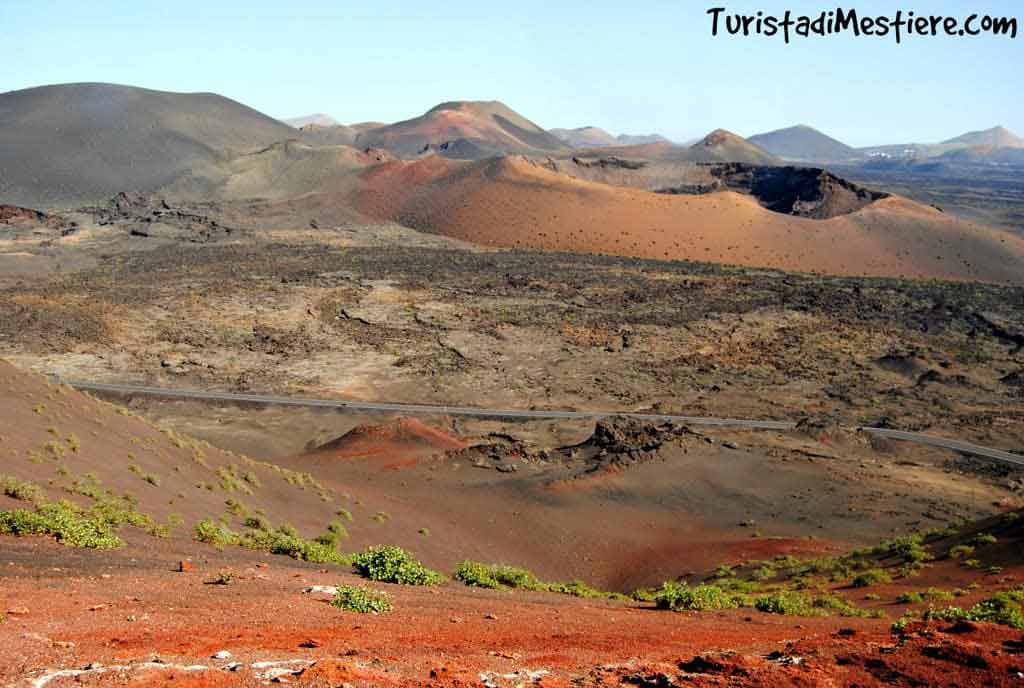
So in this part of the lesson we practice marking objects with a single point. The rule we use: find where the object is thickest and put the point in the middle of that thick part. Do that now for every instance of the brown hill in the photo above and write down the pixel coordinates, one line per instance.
(718, 146)
(514, 202)
(725, 146)
(996, 137)
(76, 143)
(490, 126)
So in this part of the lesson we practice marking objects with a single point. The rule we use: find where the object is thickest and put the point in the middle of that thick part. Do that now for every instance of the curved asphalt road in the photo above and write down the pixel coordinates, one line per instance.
(930, 440)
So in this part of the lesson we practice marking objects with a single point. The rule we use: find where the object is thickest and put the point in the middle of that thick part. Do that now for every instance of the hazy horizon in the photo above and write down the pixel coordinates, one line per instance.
(655, 69)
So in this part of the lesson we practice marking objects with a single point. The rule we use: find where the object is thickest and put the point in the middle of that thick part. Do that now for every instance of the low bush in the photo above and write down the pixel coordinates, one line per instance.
(362, 600)
(681, 597)
(1001, 609)
(70, 524)
(871, 577)
(786, 603)
(215, 533)
(578, 588)
(495, 576)
(20, 489)
(960, 551)
(391, 564)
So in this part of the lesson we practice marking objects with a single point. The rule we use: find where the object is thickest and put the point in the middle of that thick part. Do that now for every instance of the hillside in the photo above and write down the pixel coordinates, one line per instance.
(803, 143)
(488, 126)
(72, 446)
(75, 143)
(513, 202)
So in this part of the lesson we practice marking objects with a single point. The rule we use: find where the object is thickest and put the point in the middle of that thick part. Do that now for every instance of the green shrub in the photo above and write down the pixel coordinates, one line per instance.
(984, 539)
(336, 532)
(1001, 608)
(871, 577)
(215, 533)
(837, 605)
(681, 597)
(68, 523)
(234, 506)
(391, 564)
(960, 551)
(786, 603)
(495, 576)
(257, 523)
(363, 600)
(20, 489)
(222, 578)
(284, 541)
(578, 588)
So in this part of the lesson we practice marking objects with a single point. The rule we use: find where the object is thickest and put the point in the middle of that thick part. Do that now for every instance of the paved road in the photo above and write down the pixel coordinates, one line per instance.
(930, 440)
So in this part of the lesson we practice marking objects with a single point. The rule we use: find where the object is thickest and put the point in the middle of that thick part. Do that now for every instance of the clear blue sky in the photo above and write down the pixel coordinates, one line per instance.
(629, 67)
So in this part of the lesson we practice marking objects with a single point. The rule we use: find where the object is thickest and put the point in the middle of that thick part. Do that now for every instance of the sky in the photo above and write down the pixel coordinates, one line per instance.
(635, 67)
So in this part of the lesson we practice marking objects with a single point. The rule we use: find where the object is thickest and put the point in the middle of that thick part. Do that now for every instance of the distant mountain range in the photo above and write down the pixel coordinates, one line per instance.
(595, 137)
(806, 144)
(76, 143)
(318, 118)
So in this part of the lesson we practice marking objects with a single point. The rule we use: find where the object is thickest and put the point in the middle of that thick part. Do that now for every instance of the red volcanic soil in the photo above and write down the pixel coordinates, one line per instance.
(514, 203)
(401, 442)
(132, 619)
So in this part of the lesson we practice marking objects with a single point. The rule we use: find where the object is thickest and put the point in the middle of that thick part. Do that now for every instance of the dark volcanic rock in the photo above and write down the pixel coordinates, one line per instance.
(803, 191)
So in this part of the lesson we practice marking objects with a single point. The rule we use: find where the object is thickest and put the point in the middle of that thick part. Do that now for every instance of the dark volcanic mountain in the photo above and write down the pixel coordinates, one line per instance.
(803, 143)
(75, 143)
